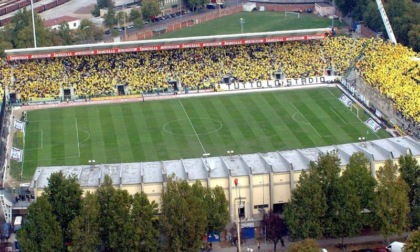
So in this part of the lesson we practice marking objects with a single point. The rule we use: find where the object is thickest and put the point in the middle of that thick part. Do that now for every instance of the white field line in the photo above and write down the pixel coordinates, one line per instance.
(195, 132)
(77, 132)
(42, 138)
(358, 118)
(310, 124)
(338, 115)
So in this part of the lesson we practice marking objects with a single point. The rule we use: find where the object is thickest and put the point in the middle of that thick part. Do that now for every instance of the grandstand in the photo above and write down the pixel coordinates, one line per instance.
(66, 74)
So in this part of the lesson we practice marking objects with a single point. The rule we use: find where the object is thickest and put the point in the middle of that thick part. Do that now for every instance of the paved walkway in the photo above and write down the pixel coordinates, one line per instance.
(269, 247)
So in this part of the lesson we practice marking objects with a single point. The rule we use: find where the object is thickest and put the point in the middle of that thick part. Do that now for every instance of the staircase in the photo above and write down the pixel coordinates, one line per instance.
(6, 200)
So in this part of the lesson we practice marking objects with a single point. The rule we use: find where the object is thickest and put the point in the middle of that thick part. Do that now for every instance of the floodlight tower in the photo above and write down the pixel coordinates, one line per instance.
(385, 19)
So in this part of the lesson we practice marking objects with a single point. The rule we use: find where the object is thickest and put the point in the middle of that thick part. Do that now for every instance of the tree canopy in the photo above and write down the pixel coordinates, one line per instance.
(402, 14)
(150, 8)
(391, 201)
(327, 204)
(410, 172)
(413, 242)
(183, 217)
(41, 230)
(64, 195)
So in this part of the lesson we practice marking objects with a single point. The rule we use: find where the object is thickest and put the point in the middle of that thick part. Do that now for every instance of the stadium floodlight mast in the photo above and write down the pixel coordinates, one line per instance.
(33, 22)
(92, 162)
(242, 22)
(206, 154)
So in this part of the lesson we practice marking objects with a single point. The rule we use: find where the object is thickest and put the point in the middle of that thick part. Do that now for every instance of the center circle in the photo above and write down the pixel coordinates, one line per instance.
(192, 126)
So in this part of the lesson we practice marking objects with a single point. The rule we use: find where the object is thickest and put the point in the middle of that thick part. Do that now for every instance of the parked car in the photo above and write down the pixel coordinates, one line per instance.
(395, 246)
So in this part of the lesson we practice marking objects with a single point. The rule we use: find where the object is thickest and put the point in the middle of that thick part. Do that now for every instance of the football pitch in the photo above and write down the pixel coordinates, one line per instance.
(254, 22)
(189, 127)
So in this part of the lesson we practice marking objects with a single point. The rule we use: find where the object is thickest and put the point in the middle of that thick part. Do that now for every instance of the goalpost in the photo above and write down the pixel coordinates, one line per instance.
(354, 108)
(290, 12)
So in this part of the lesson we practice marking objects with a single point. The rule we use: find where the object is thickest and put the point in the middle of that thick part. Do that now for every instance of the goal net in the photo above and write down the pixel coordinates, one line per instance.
(354, 108)
(289, 13)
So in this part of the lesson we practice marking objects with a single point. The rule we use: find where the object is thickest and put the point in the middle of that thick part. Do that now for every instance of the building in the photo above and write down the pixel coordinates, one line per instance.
(265, 179)
(324, 9)
(55, 23)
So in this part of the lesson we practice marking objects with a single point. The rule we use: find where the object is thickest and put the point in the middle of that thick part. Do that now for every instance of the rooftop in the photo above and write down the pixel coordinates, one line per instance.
(222, 167)
(59, 20)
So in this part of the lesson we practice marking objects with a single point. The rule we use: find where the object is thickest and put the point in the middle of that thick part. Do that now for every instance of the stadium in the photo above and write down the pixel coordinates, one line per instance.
(258, 107)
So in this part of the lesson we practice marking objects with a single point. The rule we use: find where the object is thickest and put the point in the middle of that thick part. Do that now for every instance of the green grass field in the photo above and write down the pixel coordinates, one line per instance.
(187, 128)
(254, 22)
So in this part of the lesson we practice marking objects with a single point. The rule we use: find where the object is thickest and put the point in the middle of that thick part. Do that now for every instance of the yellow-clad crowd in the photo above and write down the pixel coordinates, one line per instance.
(389, 68)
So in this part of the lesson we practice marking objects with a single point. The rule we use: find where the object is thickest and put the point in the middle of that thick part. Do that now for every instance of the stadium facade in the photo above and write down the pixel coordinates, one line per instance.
(265, 179)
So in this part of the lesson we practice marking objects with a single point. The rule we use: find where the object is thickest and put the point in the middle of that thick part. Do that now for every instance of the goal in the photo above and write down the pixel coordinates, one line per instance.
(291, 13)
(354, 108)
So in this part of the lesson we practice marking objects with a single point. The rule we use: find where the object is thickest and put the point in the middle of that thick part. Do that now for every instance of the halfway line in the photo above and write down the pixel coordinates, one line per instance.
(77, 132)
(195, 132)
(310, 124)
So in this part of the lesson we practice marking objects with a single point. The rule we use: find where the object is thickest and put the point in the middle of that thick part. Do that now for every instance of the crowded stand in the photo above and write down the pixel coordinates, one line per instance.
(387, 67)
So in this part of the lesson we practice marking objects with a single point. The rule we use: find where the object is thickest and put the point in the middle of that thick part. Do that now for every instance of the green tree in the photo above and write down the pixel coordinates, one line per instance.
(358, 174)
(410, 172)
(391, 201)
(5, 43)
(88, 32)
(41, 231)
(306, 208)
(84, 229)
(64, 195)
(104, 3)
(307, 245)
(413, 242)
(414, 37)
(114, 222)
(150, 8)
(21, 31)
(134, 14)
(138, 23)
(193, 4)
(96, 12)
(145, 235)
(122, 18)
(347, 220)
(217, 210)
(65, 33)
(326, 171)
(109, 18)
(346, 6)
(183, 217)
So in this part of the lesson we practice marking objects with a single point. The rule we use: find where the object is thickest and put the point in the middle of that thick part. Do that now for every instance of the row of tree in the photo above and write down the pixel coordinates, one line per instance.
(327, 202)
(331, 203)
(403, 16)
(18, 33)
(111, 219)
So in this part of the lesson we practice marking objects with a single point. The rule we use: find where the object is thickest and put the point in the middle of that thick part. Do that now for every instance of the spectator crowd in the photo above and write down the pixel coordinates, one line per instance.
(389, 68)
